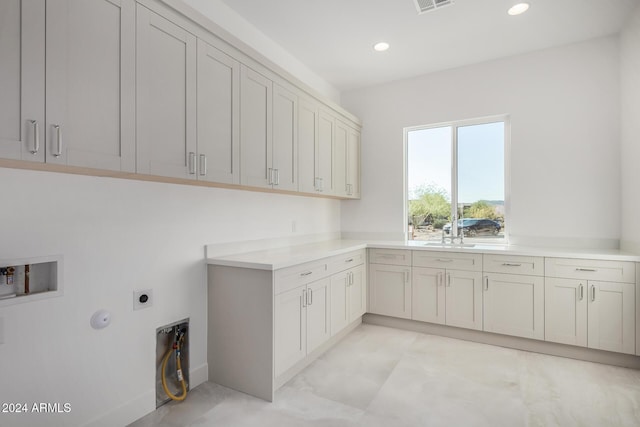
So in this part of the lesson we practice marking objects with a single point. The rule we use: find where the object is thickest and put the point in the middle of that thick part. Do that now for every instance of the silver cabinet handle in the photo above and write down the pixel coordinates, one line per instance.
(309, 297)
(351, 278)
(306, 273)
(348, 260)
(581, 291)
(486, 283)
(593, 293)
(321, 186)
(192, 163)
(448, 280)
(304, 298)
(508, 264)
(590, 270)
(444, 260)
(270, 173)
(58, 130)
(277, 171)
(203, 165)
(36, 137)
(439, 279)
(406, 276)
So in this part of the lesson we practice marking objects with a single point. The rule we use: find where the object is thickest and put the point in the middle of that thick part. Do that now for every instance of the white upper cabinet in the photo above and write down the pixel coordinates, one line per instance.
(339, 159)
(131, 86)
(256, 117)
(346, 161)
(78, 108)
(218, 116)
(90, 84)
(285, 139)
(307, 145)
(353, 163)
(166, 95)
(22, 43)
(326, 129)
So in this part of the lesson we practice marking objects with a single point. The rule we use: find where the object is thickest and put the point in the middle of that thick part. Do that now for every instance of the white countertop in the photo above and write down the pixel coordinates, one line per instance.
(274, 259)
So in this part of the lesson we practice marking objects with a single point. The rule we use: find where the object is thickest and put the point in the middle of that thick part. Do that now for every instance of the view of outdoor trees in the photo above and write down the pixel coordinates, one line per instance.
(430, 211)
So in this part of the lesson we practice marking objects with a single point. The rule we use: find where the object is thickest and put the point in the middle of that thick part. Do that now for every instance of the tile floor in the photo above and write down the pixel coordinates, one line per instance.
(380, 376)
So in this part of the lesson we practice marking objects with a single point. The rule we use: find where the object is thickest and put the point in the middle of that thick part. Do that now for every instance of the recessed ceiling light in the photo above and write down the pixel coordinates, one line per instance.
(381, 47)
(518, 8)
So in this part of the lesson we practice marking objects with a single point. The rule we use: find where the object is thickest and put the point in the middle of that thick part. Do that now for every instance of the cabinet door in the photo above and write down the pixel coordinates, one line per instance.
(353, 163)
(166, 97)
(339, 301)
(428, 295)
(565, 306)
(339, 159)
(357, 293)
(218, 115)
(90, 84)
(22, 35)
(326, 124)
(256, 119)
(390, 290)
(285, 138)
(514, 305)
(307, 145)
(464, 299)
(290, 329)
(611, 316)
(318, 315)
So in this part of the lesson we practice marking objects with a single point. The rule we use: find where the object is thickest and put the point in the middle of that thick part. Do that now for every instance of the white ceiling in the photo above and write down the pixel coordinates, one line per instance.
(334, 38)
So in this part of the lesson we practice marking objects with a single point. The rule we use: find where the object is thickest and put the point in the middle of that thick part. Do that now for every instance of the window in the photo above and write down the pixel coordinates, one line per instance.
(456, 184)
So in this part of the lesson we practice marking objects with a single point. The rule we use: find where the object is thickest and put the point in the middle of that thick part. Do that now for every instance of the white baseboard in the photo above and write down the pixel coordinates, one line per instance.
(198, 375)
(128, 412)
(535, 346)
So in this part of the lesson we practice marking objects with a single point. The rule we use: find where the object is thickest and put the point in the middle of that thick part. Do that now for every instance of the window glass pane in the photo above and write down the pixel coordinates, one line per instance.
(481, 180)
(429, 182)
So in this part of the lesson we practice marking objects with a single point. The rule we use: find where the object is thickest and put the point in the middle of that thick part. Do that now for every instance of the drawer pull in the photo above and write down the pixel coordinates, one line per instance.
(593, 293)
(348, 260)
(590, 270)
(486, 283)
(581, 291)
(444, 260)
(508, 264)
(306, 273)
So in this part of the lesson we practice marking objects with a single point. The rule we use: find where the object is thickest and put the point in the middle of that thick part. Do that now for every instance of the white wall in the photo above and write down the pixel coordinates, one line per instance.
(630, 84)
(564, 105)
(231, 21)
(117, 236)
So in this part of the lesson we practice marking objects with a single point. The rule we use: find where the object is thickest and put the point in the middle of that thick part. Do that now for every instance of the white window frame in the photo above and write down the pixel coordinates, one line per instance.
(454, 169)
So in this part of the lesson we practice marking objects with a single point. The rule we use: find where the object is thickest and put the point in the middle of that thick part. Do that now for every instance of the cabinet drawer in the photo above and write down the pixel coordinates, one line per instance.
(590, 269)
(449, 260)
(292, 277)
(390, 256)
(339, 263)
(511, 264)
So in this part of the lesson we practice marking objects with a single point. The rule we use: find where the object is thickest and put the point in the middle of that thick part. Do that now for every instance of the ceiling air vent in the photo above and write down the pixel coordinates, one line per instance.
(424, 6)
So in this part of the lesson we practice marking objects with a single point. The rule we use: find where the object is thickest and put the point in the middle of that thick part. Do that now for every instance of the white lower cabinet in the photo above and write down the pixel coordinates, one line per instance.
(301, 323)
(390, 290)
(514, 305)
(348, 297)
(599, 315)
(463, 297)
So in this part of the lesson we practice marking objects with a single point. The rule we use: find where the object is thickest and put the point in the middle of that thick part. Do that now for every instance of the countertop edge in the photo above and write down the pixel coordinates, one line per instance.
(317, 251)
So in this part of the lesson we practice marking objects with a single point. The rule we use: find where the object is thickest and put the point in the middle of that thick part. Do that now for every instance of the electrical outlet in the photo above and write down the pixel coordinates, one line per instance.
(142, 299)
